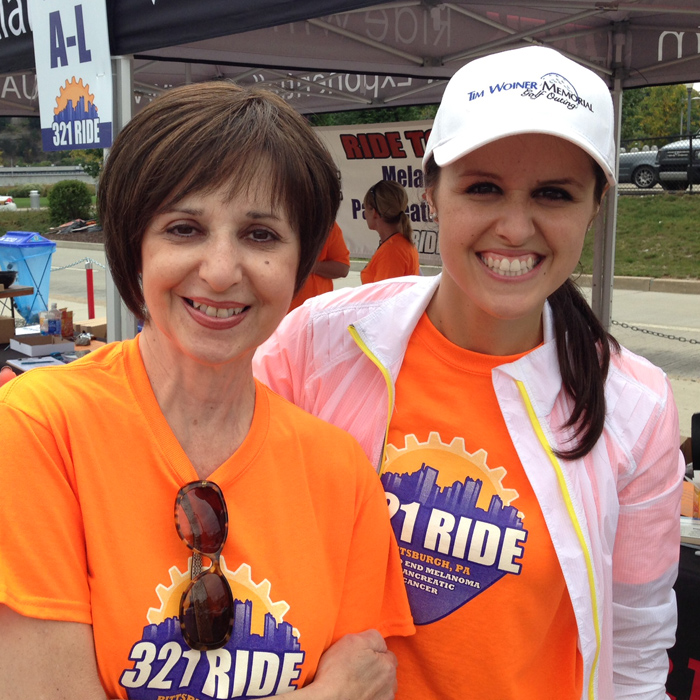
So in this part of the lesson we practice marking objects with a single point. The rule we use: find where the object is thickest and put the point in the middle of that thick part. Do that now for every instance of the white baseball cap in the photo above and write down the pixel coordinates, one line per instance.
(533, 90)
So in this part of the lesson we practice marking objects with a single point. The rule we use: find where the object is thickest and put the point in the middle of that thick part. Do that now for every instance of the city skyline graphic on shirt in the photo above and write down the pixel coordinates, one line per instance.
(276, 636)
(460, 498)
(249, 665)
(436, 590)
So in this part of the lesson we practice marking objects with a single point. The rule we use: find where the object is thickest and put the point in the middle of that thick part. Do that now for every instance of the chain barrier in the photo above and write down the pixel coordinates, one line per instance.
(79, 262)
(692, 341)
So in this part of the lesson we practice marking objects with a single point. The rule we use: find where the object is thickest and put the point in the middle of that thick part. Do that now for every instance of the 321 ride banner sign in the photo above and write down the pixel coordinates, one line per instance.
(74, 73)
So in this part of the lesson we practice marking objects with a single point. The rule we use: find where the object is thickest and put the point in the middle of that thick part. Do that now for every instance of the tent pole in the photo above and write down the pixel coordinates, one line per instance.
(121, 323)
(606, 221)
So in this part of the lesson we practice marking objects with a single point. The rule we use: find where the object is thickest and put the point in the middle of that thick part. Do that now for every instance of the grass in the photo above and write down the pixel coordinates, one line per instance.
(657, 235)
(24, 202)
(37, 221)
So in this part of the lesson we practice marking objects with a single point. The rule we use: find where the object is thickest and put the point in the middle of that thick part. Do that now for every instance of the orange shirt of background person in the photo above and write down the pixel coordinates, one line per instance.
(333, 262)
(395, 257)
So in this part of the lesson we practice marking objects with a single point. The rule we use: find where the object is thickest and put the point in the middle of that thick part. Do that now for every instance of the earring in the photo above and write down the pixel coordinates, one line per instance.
(434, 216)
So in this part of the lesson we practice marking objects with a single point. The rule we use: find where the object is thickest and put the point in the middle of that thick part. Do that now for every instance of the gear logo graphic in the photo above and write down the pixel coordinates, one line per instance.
(76, 122)
(79, 97)
(457, 531)
(242, 587)
(452, 456)
(263, 656)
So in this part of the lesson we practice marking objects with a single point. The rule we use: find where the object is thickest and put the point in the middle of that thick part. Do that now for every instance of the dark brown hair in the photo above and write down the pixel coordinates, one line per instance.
(203, 136)
(389, 200)
(583, 347)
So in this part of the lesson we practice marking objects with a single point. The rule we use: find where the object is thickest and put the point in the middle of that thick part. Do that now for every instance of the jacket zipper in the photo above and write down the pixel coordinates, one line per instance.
(389, 385)
(577, 527)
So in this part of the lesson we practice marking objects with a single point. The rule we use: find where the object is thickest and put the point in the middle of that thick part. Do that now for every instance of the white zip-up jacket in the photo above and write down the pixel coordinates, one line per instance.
(613, 516)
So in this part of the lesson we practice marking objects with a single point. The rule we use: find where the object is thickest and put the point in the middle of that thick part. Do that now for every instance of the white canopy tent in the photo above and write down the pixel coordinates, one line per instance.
(331, 55)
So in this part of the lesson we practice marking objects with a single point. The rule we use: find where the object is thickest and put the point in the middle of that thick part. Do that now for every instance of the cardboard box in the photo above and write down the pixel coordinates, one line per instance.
(39, 345)
(690, 499)
(690, 531)
(95, 326)
(7, 329)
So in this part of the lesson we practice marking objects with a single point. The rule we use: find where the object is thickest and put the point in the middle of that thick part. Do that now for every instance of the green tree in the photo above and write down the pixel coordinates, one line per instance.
(655, 113)
(69, 199)
(381, 115)
(91, 161)
(662, 110)
(631, 113)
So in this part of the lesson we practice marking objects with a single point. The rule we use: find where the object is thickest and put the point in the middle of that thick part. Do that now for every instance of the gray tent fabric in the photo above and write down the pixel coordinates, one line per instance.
(330, 55)
(136, 27)
(141, 25)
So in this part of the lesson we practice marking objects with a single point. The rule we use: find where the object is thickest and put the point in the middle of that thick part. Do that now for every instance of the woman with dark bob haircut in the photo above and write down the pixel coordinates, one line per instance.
(171, 527)
(233, 136)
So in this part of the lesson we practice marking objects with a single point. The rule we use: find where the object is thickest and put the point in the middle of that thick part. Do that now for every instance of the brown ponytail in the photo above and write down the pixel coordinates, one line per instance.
(389, 200)
(583, 351)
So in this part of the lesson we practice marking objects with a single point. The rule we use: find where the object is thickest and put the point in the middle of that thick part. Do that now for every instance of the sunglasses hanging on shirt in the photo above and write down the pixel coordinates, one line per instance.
(206, 606)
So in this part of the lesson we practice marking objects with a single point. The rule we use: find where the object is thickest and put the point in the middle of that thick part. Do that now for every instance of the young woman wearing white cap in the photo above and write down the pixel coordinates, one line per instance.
(531, 465)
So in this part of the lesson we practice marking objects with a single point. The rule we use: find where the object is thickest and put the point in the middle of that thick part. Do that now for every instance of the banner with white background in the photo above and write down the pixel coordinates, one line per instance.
(367, 153)
(74, 73)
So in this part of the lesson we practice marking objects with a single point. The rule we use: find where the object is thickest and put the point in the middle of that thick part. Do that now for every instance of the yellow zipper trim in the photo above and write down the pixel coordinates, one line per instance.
(389, 384)
(577, 527)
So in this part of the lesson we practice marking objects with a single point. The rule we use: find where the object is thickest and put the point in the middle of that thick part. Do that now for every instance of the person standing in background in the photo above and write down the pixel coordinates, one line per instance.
(333, 263)
(385, 212)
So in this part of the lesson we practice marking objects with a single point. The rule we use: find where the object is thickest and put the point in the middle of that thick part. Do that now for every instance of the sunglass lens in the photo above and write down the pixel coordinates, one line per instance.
(200, 515)
(206, 612)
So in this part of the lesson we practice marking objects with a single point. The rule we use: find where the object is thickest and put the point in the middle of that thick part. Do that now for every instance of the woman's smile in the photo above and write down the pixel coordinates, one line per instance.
(209, 312)
(509, 266)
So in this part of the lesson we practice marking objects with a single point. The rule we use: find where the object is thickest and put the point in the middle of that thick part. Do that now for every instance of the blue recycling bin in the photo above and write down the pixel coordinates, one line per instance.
(30, 254)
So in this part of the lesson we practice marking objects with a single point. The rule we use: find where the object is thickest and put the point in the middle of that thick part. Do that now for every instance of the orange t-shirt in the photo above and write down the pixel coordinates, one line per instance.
(494, 618)
(396, 257)
(89, 474)
(334, 249)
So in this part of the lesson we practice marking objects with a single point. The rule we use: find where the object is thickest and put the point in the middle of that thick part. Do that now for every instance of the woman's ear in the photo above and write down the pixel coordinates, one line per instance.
(428, 197)
(599, 204)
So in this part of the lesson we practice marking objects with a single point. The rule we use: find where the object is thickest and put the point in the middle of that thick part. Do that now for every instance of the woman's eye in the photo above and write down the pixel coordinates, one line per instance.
(184, 230)
(554, 193)
(262, 235)
(482, 188)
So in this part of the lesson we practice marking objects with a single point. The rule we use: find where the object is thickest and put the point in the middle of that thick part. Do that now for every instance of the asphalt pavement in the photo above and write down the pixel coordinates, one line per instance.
(69, 278)
(662, 326)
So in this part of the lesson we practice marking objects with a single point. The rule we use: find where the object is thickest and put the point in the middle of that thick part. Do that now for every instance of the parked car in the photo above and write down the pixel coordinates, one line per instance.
(7, 203)
(672, 161)
(639, 168)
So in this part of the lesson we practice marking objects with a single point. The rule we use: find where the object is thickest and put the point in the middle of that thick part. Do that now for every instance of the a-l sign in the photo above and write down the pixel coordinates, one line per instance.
(74, 74)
